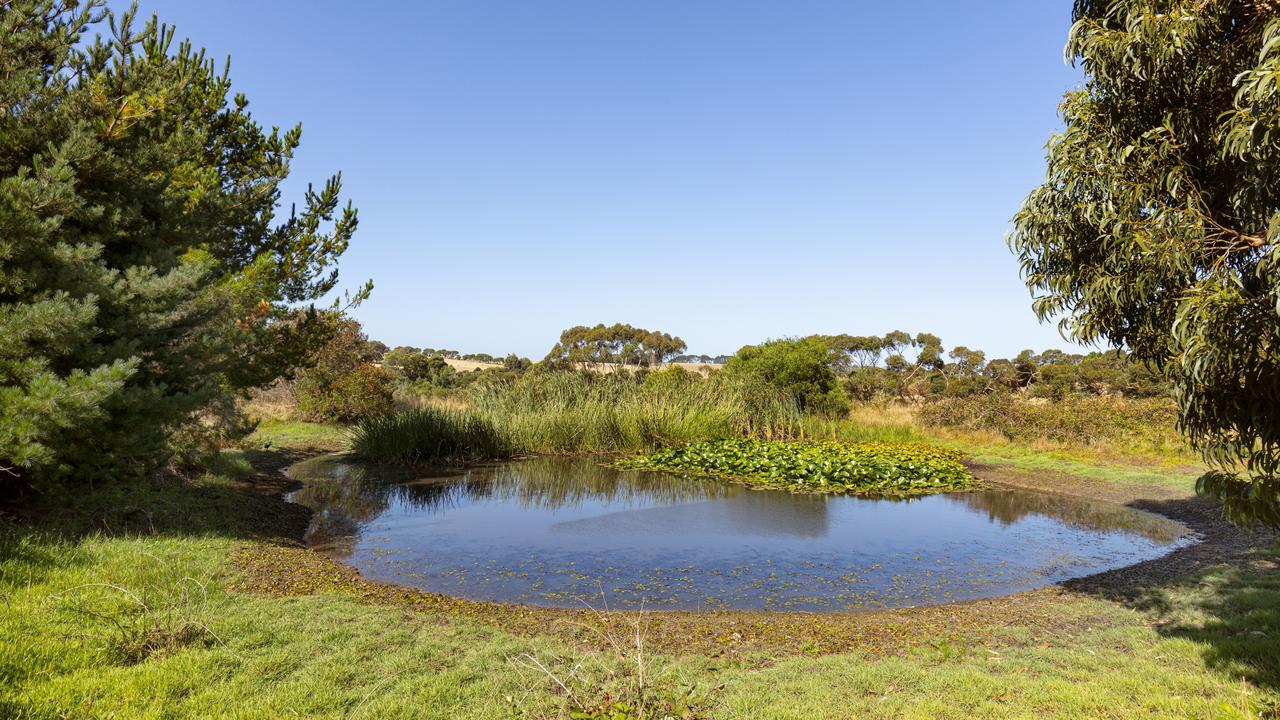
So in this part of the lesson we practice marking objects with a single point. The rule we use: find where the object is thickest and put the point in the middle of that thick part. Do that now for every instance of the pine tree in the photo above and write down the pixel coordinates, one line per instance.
(144, 276)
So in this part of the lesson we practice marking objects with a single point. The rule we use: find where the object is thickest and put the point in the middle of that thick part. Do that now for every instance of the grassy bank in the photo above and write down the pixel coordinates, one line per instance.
(129, 602)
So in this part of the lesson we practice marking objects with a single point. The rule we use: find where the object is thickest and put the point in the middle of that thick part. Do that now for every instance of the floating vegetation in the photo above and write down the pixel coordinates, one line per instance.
(865, 468)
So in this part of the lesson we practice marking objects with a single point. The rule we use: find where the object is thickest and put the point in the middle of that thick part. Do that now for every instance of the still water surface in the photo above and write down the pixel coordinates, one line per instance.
(564, 532)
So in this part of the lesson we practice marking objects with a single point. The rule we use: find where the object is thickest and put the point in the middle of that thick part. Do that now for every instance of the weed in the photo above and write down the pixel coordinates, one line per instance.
(621, 684)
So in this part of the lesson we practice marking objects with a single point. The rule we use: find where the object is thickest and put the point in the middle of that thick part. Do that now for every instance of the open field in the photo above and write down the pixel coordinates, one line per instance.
(470, 365)
(178, 599)
(700, 368)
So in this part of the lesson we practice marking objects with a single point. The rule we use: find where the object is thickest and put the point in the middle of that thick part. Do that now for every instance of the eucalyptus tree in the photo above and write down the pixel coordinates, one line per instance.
(619, 343)
(1157, 226)
(855, 352)
(910, 358)
(967, 362)
(145, 277)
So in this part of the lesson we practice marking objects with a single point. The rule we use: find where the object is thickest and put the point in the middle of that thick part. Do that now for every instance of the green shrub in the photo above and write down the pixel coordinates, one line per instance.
(868, 468)
(801, 367)
(363, 392)
(428, 435)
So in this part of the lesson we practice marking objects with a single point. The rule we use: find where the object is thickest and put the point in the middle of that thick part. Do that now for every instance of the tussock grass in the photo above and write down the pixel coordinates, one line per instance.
(626, 682)
(879, 422)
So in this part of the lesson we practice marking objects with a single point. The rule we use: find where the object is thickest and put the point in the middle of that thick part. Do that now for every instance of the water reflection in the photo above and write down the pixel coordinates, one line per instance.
(560, 531)
(1008, 506)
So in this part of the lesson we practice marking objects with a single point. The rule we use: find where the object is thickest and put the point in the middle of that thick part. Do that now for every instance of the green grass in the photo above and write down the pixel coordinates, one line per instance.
(1080, 464)
(298, 434)
(865, 468)
(144, 626)
(121, 602)
(66, 634)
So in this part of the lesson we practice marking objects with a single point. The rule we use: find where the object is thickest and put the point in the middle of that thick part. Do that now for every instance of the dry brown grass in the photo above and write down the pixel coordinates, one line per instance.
(470, 365)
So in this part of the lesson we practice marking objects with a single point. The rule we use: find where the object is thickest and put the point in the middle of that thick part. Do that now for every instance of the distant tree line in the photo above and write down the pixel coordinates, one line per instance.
(701, 359)
(827, 372)
(905, 367)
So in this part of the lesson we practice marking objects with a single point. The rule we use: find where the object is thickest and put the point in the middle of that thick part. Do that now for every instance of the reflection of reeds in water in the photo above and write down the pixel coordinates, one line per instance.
(345, 495)
(1010, 506)
(551, 483)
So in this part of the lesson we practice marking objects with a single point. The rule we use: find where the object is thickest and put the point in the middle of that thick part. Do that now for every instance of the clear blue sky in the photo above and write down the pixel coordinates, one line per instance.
(727, 171)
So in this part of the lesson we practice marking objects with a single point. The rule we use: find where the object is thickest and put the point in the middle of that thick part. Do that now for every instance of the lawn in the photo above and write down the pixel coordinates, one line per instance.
(133, 603)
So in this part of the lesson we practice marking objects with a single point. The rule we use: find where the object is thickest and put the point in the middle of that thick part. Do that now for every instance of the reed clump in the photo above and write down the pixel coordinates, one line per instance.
(574, 412)
(429, 435)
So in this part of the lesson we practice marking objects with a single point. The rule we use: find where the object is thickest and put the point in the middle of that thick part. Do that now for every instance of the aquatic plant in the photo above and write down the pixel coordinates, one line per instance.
(428, 435)
(565, 412)
(866, 468)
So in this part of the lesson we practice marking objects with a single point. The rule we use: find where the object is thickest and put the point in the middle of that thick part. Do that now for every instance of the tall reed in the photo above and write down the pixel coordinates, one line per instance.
(429, 435)
(578, 412)
(566, 412)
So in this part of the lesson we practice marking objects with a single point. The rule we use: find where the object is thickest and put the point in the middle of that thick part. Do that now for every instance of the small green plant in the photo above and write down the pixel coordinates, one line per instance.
(866, 468)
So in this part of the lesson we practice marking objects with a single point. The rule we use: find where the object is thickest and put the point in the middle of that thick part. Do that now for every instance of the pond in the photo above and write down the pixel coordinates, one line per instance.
(572, 532)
